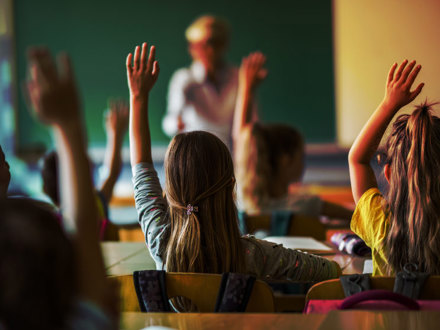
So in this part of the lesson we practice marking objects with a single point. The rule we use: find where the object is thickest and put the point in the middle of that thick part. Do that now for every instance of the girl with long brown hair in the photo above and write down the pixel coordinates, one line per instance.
(195, 228)
(403, 226)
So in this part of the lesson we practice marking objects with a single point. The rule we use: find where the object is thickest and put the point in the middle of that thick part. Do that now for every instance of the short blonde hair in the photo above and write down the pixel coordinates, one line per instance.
(207, 26)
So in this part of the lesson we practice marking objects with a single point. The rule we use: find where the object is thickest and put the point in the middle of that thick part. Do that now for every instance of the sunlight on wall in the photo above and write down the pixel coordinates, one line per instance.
(369, 36)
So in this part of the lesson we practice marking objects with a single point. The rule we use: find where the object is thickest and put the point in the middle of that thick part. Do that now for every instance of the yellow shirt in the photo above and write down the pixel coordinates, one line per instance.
(370, 223)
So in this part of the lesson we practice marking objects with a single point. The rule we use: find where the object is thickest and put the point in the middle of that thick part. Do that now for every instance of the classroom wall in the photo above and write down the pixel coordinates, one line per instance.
(369, 36)
(296, 36)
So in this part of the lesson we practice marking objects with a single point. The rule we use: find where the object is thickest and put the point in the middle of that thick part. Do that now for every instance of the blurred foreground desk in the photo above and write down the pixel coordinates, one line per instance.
(346, 320)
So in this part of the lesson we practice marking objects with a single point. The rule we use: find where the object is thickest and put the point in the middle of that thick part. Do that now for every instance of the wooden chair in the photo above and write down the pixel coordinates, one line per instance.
(131, 233)
(332, 289)
(200, 288)
(300, 225)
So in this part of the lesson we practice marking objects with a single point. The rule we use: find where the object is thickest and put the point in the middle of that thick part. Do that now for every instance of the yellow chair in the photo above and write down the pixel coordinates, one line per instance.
(332, 289)
(201, 289)
(300, 225)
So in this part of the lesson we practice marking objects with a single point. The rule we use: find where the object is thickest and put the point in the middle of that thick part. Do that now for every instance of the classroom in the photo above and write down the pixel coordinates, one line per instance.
(219, 164)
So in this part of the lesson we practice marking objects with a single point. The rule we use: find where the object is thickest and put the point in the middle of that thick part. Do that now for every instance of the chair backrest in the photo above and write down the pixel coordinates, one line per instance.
(300, 225)
(130, 233)
(201, 289)
(332, 289)
(127, 293)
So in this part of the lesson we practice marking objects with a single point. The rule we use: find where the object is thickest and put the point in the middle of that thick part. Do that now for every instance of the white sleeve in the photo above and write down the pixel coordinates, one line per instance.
(176, 100)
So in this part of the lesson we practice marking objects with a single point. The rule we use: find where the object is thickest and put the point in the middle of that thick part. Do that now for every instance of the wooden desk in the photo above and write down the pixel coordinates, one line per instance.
(334, 320)
(122, 258)
(198, 321)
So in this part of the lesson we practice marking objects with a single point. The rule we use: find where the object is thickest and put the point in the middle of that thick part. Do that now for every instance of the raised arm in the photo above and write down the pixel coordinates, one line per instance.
(116, 124)
(397, 94)
(142, 75)
(53, 95)
(251, 73)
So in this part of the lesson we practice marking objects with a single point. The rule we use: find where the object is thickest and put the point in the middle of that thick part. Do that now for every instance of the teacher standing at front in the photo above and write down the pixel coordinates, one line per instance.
(203, 96)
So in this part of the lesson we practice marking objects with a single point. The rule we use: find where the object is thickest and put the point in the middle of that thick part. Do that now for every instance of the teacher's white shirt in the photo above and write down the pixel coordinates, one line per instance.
(201, 105)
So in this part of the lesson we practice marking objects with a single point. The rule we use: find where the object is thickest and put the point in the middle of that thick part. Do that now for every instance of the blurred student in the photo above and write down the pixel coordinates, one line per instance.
(270, 157)
(403, 226)
(202, 96)
(50, 279)
(116, 124)
(195, 227)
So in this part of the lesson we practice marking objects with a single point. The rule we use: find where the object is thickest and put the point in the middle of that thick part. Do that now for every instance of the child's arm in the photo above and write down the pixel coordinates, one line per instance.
(116, 124)
(397, 94)
(142, 76)
(150, 204)
(251, 73)
(54, 98)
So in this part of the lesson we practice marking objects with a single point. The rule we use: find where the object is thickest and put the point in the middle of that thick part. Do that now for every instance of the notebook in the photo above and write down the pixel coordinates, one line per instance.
(305, 244)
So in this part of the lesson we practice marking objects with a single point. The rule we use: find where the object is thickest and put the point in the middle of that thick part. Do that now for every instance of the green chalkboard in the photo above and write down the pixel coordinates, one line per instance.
(295, 35)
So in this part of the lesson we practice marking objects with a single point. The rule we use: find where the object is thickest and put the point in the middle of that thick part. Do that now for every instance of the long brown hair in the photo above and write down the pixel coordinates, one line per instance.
(258, 158)
(199, 172)
(413, 154)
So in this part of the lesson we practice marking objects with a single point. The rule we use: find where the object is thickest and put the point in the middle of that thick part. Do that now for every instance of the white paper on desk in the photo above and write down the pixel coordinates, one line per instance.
(299, 243)
(368, 266)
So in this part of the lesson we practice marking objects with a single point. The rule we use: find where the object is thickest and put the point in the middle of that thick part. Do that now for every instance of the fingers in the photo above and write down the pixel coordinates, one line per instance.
(391, 73)
(400, 69)
(137, 54)
(257, 59)
(128, 64)
(65, 65)
(413, 76)
(156, 70)
(42, 58)
(262, 74)
(151, 58)
(143, 55)
(407, 71)
(416, 92)
(139, 59)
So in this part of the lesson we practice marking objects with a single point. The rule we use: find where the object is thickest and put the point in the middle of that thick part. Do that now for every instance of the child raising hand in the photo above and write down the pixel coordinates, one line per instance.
(195, 227)
(403, 226)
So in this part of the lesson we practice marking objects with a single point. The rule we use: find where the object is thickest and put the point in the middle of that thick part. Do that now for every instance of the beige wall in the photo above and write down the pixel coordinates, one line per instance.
(369, 37)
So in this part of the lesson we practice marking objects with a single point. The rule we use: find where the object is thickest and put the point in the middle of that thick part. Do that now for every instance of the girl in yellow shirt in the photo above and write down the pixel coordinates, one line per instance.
(403, 226)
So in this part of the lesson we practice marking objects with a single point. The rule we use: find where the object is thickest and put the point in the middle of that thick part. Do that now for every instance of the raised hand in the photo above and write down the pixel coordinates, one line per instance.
(142, 73)
(252, 70)
(116, 118)
(52, 91)
(399, 83)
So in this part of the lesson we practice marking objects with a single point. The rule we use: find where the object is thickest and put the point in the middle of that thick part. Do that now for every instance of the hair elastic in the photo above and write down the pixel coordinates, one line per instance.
(191, 208)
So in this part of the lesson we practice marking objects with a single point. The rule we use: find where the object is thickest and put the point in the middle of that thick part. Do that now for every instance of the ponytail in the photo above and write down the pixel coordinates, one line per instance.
(200, 182)
(414, 194)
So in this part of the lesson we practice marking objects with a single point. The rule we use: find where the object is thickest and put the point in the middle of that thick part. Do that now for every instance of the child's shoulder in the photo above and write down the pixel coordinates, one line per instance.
(372, 199)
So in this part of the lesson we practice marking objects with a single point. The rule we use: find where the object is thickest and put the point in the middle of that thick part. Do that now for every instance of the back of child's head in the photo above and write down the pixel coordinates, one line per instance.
(260, 161)
(199, 189)
(49, 174)
(413, 155)
(37, 273)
